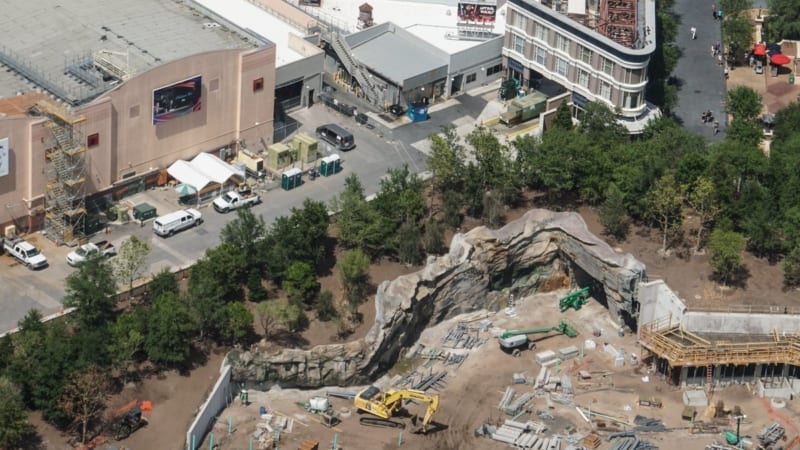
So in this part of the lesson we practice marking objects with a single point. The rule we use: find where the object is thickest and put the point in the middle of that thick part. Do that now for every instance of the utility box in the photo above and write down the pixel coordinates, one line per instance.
(524, 109)
(291, 178)
(330, 165)
(279, 156)
(253, 163)
(144, 211)
(305, 147)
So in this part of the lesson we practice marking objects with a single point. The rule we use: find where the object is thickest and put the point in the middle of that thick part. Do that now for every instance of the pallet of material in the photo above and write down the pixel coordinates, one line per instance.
(591, 440)
(309, 444)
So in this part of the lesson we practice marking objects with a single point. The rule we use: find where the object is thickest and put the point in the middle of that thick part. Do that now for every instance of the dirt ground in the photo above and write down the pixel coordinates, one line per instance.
(472, 390)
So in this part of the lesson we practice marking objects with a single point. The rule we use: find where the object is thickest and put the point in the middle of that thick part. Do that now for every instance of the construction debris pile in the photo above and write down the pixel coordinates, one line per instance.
(628, 440)
(421, 382)
(269, 429)
(466, 336)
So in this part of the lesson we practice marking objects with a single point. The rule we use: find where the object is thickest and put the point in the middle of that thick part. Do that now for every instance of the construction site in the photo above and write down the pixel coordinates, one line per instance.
(575, 381)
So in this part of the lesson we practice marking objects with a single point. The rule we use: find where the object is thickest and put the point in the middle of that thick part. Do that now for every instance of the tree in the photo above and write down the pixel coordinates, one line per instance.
(451, 209)
(32, 322)
(744, 103)
(446, 161)
(563, 117)
(492, 209)
(791, 269)
(358, 223)
(613, 215)
(433, 238)
(408, 243)
(131, 262)
(92, 290)
(255, 287)
(726, 253)
(14, 427)
(664, 206)
(85, 396)
(300, 283)
(702, 198)
(325, 307)
(400, 197)
(238, 322)
(279, 312)
(737, 31)
(127, 338)
(169, 330)
(241, 234)
(354, 276)
(163, 281)
(783, 21)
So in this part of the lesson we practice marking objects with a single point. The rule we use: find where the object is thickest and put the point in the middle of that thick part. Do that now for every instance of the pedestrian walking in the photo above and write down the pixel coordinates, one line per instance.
(719, 59)
(725, 72)
(714, 11)
(694, 33)
(716, 127)
(752, 61)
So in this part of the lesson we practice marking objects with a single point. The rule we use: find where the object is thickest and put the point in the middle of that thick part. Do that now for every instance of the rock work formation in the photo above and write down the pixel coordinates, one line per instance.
(541, 251)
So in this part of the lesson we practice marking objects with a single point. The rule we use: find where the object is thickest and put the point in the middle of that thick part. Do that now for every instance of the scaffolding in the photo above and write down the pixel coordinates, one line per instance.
(681, 348)
(65, 168)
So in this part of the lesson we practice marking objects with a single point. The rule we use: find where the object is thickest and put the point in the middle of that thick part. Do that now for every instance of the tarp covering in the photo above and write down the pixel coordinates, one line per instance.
(203, 170)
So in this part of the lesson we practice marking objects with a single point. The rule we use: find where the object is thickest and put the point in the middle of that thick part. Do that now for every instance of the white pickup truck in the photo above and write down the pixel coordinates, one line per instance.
(86, 251)
(236, 199)
(25, 253)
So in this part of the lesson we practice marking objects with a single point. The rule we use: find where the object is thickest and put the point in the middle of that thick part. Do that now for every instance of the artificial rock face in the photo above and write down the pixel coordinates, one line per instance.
(541, 251)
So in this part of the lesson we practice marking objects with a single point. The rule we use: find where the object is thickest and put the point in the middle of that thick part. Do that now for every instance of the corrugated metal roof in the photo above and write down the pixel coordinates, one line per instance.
(398, 55)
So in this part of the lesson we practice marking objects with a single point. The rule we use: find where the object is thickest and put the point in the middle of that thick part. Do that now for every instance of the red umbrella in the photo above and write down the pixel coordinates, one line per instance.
(759, 50)
(779, 59)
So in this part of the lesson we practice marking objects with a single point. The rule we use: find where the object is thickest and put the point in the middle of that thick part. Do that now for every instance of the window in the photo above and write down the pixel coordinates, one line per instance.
(539, 55)
(541, 32)
(583, 78)
(562, 43)
(561, 67)
(494, 69)
(605, 90)
(518, 43)
(633, 76)
(608, 66)
(258, 85)
(519, 21)
(93, 140)
(472, 77)
(585, 54)
(631, 100)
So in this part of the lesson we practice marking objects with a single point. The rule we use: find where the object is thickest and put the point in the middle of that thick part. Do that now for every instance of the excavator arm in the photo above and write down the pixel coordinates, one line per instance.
(386, 404)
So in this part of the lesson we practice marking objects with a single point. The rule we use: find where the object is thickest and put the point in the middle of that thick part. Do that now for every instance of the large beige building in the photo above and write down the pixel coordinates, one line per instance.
(96, 105)
(597, 49)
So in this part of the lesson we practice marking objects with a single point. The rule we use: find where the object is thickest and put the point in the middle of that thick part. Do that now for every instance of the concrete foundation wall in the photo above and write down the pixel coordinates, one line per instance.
(658, 302)
(738, 323)
(219, 399)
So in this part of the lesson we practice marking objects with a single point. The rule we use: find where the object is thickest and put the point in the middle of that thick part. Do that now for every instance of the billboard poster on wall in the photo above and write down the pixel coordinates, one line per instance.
(3, 157)
(476, 12)
(177, 99)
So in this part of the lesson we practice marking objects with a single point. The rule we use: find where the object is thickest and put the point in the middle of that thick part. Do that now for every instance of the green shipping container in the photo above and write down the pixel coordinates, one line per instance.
(291, 179)
(330, 165)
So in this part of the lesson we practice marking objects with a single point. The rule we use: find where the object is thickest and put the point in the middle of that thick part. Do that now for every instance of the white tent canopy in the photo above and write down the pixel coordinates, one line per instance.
(203, 170)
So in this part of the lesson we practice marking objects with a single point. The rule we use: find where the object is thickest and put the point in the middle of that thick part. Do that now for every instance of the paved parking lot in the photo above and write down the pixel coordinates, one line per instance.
(374, 154)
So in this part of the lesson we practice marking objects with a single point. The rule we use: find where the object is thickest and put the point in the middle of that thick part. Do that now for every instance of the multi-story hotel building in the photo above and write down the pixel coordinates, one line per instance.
(597, 49)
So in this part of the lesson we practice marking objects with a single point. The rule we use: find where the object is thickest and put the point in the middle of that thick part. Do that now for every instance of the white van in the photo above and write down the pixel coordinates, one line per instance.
(171, 223)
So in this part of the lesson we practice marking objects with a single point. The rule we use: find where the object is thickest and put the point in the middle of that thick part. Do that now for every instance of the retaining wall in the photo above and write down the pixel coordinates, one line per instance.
(219, 399)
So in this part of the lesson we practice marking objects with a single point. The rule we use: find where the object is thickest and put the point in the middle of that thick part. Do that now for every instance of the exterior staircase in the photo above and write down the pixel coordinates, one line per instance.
(368, 88)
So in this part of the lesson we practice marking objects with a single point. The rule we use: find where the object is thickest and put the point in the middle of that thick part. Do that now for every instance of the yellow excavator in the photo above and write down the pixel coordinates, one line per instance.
(385, 405)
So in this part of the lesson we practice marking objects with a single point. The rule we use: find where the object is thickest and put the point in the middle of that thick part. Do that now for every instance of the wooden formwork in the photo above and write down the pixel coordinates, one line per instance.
(682, 348)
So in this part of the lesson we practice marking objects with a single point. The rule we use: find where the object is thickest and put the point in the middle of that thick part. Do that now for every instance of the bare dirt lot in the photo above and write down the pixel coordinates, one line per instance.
(471, 392)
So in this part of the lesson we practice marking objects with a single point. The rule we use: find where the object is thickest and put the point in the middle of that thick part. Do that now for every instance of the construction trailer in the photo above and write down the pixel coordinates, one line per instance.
(523, 109)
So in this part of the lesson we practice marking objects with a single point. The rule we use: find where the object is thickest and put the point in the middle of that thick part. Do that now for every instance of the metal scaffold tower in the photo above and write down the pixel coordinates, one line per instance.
(65, 168)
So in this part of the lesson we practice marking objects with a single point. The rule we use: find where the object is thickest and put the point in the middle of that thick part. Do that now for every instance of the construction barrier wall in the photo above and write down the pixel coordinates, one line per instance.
(218, 399)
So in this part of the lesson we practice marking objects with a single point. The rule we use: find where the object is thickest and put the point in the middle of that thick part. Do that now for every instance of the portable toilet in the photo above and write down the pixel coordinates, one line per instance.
(306, 147)
(291, 178)
(279, 156)
(330, 165)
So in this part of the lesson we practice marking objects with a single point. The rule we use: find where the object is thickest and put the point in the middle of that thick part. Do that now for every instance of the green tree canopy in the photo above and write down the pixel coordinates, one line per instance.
(664, 202)
(783, 21)
(92, 290)
(400, 197)
(300, 282)
(279, 312)
(359, 225)
(744, 103)
(169, 331)
(131, 261)
(726, 249)
(613, 215)
(446, 160)
(353, 268)
(238, 325)
(563, 117)
(14, 427)
(163, 281)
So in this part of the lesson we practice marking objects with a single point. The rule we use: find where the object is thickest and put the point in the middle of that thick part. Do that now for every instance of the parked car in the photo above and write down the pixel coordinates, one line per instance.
(171, 223)
(242, 197)
(24, 252)
(397, 110)
(86, 251)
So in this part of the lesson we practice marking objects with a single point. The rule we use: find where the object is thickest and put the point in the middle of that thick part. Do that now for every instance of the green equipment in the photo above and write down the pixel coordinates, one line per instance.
(514, 340)
(731, 437)
(574, 299)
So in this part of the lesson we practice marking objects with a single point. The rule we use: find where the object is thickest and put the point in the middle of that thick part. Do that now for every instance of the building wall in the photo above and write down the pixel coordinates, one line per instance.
(547, 44)
(128, 141)
(477, 65)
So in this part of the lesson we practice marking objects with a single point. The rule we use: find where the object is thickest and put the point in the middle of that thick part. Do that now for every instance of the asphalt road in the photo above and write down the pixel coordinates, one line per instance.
(374, 154)
(701, 83)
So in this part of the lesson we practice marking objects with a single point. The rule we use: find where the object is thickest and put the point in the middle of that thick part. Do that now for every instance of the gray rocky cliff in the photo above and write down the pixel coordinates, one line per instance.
(541, 251)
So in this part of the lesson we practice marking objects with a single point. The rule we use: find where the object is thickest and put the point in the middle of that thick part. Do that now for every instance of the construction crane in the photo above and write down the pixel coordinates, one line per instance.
(514, 340)
(385, 405)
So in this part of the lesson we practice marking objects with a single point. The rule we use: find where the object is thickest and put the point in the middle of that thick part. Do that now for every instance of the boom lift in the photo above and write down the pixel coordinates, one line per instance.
(385, 405)
(514, 340)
